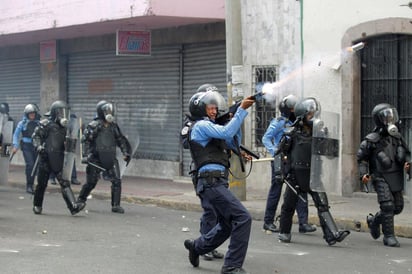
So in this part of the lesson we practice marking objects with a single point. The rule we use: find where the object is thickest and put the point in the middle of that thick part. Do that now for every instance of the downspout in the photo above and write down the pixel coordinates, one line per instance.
(302, 48)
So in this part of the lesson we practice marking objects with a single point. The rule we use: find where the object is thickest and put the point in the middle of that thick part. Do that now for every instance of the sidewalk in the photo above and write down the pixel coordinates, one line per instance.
(349, 212)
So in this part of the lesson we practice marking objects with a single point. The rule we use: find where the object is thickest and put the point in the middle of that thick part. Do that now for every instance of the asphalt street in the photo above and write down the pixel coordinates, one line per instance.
(149, 239)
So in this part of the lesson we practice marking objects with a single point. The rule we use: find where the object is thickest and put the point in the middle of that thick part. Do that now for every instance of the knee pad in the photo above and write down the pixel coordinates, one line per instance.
(387, 206)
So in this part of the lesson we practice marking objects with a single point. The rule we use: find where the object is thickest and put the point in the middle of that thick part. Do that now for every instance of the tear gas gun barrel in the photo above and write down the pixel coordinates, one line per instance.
(223, 119)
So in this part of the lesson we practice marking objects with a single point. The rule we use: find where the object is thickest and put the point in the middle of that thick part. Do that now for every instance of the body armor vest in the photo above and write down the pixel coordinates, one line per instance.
(54, 145)
(300, 159)
(213, 153)
(30, 126)
(106, 146)
(387, 161)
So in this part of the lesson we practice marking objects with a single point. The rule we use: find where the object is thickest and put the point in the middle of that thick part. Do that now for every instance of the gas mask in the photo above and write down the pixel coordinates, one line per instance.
(108, 112)
(389, 118)
(61, 117)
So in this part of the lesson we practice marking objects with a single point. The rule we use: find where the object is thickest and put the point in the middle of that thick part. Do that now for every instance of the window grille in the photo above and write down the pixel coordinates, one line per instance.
(263, 111)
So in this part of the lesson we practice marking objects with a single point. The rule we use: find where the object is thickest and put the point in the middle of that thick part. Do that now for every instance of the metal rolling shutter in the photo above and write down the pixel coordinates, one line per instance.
(19, 84)
(145, 90)
(202, 63)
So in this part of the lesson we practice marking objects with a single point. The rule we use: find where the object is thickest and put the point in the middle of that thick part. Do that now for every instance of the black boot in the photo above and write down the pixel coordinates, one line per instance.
(116, 194)
(331, 233)
(71, 203)
(84, 193)
(374, 224)
(388, 230)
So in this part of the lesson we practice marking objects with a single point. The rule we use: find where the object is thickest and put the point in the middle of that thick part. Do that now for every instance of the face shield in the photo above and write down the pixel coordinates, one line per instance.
(108, 112)
(389, 117)
(213, 99)
(312, 110)
(61, 115)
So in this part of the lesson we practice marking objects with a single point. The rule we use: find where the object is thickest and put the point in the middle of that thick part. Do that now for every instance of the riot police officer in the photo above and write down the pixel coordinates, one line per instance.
(49, 140)
(4, 113)
(297, 145)
(23, 135)
(100, 139)
(209, 144)
(271, 140)
(382, 156)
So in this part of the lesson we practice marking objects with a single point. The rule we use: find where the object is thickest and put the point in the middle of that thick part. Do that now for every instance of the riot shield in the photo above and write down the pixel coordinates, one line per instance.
(325, 153)
(72, 134)
(408, 175)
(132, 135)
(6, 146)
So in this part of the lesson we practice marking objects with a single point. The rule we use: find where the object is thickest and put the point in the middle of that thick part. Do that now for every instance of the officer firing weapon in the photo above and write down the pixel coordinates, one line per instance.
(294, 190)
(223, 119)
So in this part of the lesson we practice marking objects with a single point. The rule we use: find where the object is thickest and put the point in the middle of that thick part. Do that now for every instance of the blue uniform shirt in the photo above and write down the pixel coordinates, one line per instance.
(21, 126)
(206, 130)
(274, 133)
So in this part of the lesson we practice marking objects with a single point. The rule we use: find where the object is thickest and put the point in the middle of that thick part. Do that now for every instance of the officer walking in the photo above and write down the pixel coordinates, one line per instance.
(23, 135)
(49, 140)
(271, 140)
(208, 146)
(100, 139)
(382, 157)
(297, 145)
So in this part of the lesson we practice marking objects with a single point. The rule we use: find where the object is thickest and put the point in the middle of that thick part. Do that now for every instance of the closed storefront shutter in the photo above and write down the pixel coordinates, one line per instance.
(19, 84)
(145, 90)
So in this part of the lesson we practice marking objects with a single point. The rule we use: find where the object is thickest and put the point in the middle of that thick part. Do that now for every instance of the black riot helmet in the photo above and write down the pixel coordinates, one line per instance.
(287, 106)
(206, 95)
(59, 112)
(307, 109)
(105, 111)
(4, 108)
(386, 117)
(384, 114)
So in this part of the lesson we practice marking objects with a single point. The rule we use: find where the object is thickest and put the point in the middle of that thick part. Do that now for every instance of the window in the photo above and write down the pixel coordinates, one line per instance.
(264, 112)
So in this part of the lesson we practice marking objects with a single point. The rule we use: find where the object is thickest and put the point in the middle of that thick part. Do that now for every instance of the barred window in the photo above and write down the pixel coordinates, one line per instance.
(264, 112)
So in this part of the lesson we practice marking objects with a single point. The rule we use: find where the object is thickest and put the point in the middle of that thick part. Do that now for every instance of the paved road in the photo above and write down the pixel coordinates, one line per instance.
(148, 239)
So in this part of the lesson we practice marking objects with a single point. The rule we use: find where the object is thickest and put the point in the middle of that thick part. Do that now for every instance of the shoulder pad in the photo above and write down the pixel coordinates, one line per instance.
(373, 137)
(93, 124)
(44, 122)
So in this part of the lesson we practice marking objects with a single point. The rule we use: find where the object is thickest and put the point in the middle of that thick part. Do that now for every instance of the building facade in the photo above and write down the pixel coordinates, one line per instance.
(151, 91)
(303, 45)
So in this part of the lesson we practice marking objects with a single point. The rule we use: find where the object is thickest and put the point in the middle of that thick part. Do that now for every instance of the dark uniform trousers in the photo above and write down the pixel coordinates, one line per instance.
(273, 198)
(233, 221)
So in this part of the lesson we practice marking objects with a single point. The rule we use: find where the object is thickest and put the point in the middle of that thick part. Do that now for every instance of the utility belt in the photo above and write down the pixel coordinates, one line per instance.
(213, 174)
(212, 177)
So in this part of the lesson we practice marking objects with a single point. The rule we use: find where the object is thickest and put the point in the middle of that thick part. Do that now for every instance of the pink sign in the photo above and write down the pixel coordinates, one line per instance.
(48, 51)
(133, 43)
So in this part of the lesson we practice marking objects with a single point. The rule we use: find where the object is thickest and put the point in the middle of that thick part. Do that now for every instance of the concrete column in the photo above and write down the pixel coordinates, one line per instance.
(237, 181)
(53, 81)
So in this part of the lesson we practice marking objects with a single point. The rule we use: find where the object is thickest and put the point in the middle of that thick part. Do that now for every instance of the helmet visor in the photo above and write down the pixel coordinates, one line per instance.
(108, 109)
(215, 99)
(312, 108)
(61, 113)
(388, 116)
